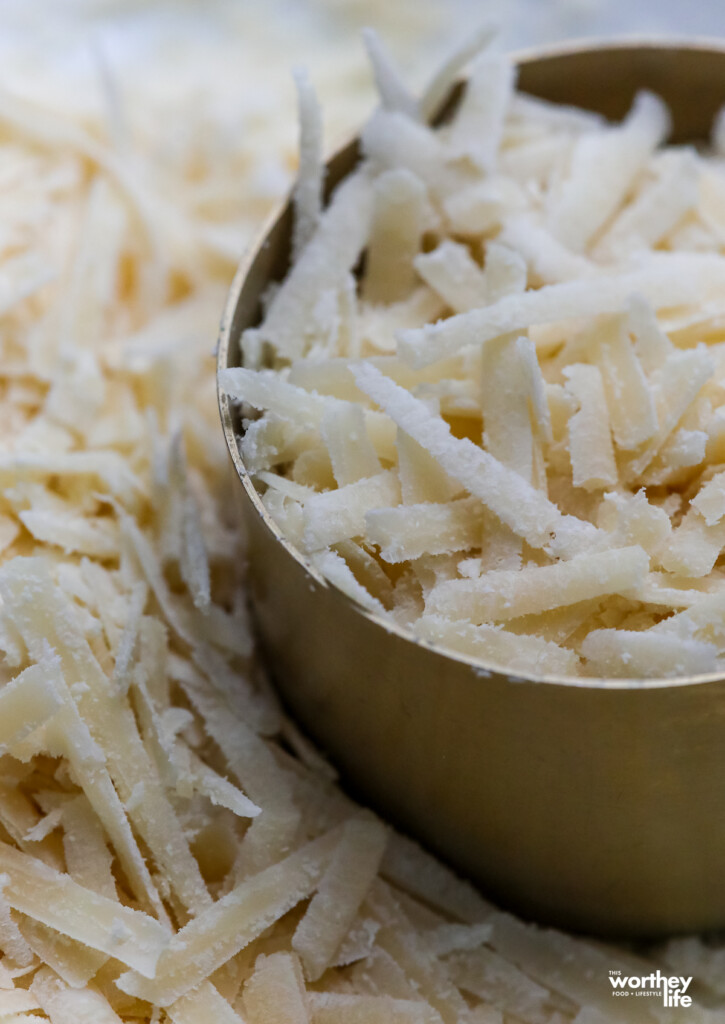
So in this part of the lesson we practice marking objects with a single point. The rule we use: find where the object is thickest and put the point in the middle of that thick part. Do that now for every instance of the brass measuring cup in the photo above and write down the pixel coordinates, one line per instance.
(597, 805)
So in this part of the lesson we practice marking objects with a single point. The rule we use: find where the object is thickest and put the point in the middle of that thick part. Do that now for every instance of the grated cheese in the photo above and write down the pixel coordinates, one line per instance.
(541, 447)
(167, 839)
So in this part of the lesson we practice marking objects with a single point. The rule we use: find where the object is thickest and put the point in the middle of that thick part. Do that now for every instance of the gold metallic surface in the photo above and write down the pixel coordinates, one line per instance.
(597, 805)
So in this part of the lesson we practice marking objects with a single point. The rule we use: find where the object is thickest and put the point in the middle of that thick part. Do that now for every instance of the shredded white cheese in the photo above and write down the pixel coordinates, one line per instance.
(556, 415)
(171, 849)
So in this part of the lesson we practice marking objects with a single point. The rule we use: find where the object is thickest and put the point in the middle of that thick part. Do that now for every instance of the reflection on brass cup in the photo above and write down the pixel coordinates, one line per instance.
(593, 804)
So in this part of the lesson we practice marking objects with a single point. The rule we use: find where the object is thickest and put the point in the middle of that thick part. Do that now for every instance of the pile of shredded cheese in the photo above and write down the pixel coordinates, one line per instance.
(171, 849)
(507, 432)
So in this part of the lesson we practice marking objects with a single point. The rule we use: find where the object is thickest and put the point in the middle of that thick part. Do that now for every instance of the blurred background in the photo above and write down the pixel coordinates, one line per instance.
(180, 76)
